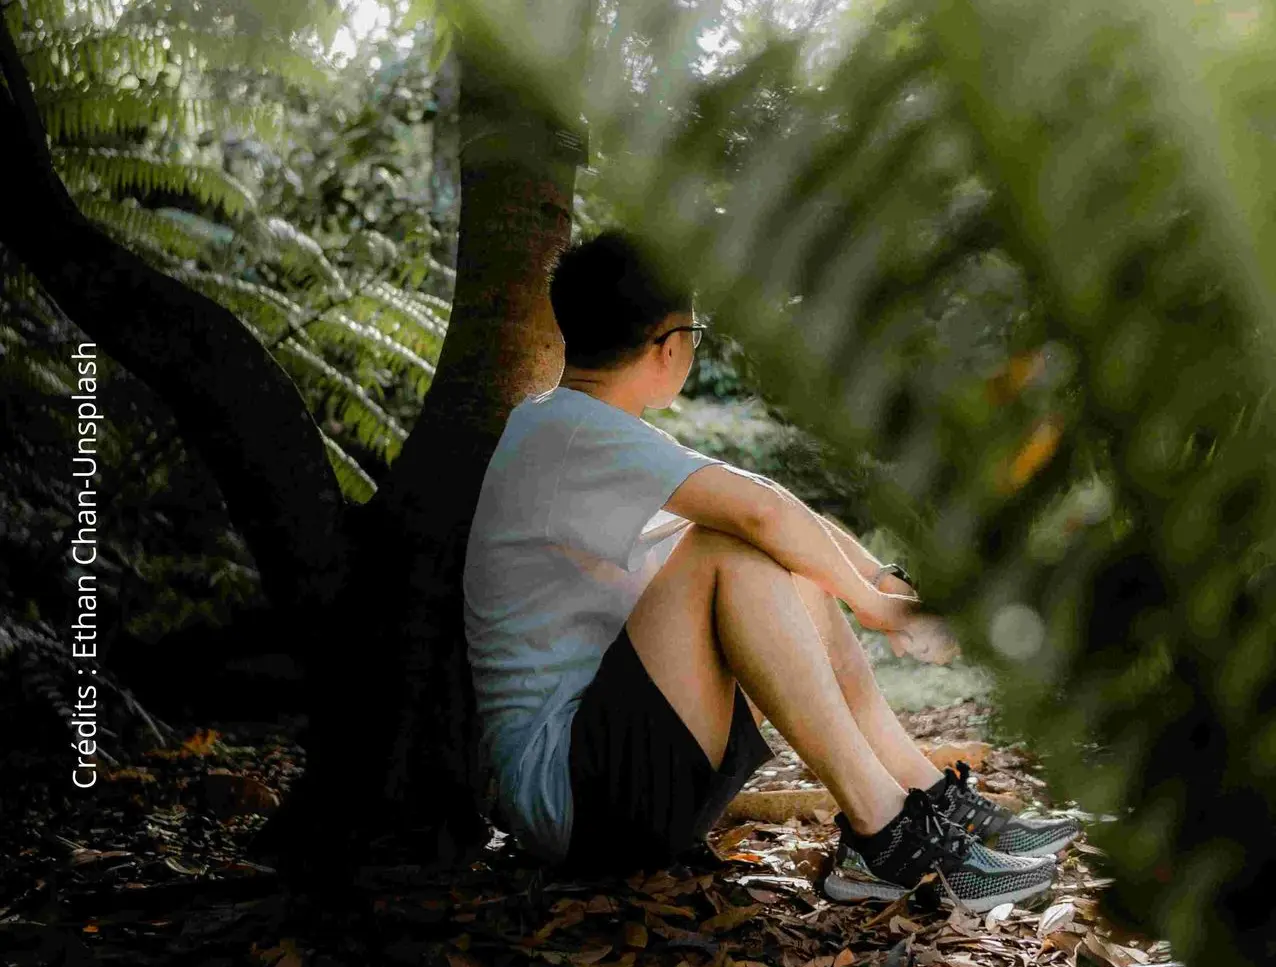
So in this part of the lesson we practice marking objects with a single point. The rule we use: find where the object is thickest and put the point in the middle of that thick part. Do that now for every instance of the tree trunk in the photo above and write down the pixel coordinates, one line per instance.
(392, 741)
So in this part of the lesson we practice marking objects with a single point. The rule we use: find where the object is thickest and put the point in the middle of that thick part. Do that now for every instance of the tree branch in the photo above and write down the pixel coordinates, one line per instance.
(232, 401)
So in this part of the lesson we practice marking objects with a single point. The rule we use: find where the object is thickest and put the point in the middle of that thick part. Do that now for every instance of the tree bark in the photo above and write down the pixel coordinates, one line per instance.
(392, 744)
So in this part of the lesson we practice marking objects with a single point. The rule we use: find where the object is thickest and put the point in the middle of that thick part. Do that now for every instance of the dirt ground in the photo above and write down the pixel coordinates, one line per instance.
(151, 870)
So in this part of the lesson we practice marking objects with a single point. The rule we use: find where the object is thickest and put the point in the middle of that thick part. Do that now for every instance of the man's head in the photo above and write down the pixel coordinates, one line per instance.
(615, 309)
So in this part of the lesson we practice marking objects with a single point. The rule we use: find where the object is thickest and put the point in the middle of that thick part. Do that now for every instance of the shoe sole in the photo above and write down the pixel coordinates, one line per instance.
(836, 888)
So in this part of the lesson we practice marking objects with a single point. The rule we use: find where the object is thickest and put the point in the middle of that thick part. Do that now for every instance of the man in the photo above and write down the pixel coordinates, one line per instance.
(623, 595)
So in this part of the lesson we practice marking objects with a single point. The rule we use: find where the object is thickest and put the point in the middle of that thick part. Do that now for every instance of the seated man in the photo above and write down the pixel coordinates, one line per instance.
(624, 594)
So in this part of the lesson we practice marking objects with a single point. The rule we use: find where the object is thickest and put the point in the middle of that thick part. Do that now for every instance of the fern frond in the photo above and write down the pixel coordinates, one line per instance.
(104, 109)
(42, 376)
(374, 427)
(134, 221)
(53, 14)
(270, 312)
(340, 329)
(414, 306)
(88, 169)
(100, 54)
(300, 256)
(354, 482)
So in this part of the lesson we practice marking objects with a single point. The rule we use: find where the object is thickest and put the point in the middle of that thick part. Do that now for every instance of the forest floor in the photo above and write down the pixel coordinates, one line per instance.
(149, 870)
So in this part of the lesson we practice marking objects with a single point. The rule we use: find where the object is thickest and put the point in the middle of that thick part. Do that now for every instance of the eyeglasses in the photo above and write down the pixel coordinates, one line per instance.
(697, 332)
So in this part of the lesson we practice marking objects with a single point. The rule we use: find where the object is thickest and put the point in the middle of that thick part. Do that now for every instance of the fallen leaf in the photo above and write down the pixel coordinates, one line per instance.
(1056, 918)
(568, 919)
(813, 864)
(900, 924)
(664, 909)
(1106, 953)
(635, 934)
(733, 837)
(659, 883)
(584, 958)
(1063, 940)
(945, 756)
(82, 856)
(601, 904)
(202, 742)
(780, 805)
(731, 918)
(455, 958)
(755, 858)
(229, 794)
(845, 958)
(763, 896)
(997, 914)
(826, 961)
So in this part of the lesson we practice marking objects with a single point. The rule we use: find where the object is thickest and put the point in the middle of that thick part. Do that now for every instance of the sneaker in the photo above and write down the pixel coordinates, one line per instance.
(890, 863)
(997, 827)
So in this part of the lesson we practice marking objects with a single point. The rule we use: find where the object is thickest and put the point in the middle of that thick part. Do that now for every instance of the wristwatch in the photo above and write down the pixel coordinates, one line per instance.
(895, 569)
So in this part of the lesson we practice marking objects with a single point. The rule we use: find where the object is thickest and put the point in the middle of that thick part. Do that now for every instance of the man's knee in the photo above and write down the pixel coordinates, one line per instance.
(725, 549)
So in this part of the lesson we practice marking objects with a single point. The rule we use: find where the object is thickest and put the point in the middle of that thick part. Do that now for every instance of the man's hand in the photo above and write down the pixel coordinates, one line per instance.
(888, 611)
(927, 638)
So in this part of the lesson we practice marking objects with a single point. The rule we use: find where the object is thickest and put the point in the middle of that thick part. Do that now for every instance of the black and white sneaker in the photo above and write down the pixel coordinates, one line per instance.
(997, 827)
(890, 863)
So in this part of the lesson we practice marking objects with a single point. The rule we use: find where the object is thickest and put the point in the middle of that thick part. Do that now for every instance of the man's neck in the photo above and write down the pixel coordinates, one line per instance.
(617, 396)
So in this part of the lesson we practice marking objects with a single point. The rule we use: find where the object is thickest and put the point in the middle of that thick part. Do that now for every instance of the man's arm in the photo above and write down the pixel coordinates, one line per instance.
(772, 519)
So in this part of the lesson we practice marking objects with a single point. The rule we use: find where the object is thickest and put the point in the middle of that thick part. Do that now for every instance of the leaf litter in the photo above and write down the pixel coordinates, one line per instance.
(157, 873)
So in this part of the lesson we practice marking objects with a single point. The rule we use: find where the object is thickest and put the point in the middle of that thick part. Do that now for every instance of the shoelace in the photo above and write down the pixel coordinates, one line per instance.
(935, 827)
(964, 792)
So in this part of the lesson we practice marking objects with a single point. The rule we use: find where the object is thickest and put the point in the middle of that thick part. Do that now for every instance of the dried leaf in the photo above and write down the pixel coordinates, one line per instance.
(1063, 940)
(1105, 952)
(602, 904)
(996, 915)
(664, 909)
(82, 856)
(730, 918)
(945, 756)
(635, 934)
(763, 896)
(826, 961)
(733, 837)
(584, 958)
(229, 794)
(813, 864)
(455, 958)
(1056, 918)
(202, 742)
(660, 882)
(845, 958)
(903, 925)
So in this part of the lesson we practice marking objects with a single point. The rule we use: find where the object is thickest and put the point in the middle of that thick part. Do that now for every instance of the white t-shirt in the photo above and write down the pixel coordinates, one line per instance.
(567, 534)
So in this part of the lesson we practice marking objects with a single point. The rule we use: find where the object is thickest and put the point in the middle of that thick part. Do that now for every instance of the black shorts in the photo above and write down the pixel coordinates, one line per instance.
(643, 790)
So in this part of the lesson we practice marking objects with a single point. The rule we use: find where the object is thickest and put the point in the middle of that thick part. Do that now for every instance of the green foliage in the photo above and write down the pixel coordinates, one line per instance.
(1022, 255)
(200, 136)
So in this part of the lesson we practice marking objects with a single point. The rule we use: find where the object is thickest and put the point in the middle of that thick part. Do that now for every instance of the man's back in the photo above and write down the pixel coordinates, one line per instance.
(567, 533)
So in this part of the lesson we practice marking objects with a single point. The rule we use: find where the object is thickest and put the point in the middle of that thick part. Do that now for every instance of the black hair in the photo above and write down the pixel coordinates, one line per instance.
(609, 295)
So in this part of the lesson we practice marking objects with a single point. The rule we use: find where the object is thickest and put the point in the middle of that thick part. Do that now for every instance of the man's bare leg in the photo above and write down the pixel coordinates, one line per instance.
(721, 610)
(894, 747)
